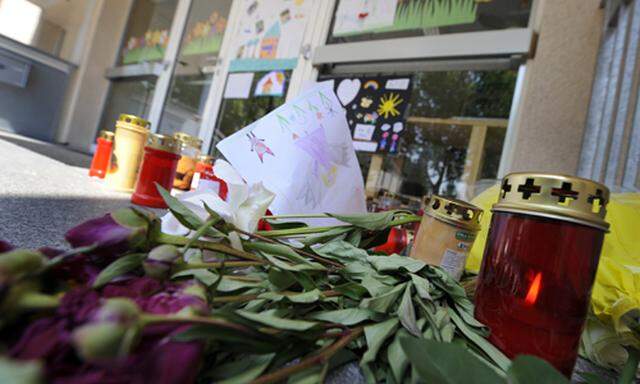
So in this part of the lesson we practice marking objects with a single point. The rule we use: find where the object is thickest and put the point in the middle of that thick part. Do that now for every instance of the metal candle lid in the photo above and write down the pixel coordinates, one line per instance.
(107, 135)
(187, 140)
(134, 120)
(206, 159)
(454, 211)
(163, 143)
(560, 197)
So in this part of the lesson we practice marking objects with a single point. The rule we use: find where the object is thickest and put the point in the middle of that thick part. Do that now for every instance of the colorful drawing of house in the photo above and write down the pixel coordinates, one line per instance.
(269, 43)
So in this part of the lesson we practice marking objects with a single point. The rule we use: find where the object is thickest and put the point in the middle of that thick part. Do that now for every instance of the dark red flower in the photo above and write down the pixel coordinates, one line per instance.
(113, 234)
(5, 246)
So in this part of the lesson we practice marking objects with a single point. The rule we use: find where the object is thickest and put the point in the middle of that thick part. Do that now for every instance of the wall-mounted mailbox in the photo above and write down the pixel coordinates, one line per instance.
(13, 71)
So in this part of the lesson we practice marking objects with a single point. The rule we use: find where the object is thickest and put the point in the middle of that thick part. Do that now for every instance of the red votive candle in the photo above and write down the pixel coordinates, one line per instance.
(102, 155)
(159, 164)
(540, 263)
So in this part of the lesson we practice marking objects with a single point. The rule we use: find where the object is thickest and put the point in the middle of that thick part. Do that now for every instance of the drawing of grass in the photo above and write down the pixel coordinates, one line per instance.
(418, 14)
(434, 13)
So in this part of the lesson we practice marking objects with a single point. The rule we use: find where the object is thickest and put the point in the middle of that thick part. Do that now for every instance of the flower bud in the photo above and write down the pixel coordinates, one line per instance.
(111, 333)
(18, 263)
(160, 260)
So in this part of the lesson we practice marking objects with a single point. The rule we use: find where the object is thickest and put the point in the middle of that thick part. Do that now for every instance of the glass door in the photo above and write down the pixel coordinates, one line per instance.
(140, 61)
(166, 63)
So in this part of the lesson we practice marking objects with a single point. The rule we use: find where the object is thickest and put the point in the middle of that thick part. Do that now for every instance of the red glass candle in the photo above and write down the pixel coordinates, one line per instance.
(158, 166)
(539, 265)
(102, 155)
(204, 175)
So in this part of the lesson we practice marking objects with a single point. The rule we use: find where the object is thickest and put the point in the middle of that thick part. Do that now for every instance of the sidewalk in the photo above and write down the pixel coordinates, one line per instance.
(41, 197)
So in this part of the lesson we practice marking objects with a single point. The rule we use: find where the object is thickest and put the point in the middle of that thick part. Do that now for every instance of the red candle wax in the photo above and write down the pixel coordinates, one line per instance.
(158, 166)
(102, 155)
(536, 283)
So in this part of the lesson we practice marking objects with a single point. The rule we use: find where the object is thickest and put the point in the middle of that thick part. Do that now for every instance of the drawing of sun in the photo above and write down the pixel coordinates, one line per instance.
(388, 104)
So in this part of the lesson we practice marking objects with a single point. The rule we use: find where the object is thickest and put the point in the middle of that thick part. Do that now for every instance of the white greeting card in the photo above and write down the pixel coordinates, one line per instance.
(303, 152)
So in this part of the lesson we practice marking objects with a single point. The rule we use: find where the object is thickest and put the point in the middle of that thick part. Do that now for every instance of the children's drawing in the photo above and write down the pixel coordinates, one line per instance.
(366, 102)
(371, 84)
(285, 16)
(271, 84)
(269, 43)
(259, 147)
(383, 142)
(370, 118)
(348, 90)
(394, 143)
(388, 105)
(315, 169)
(398, 127)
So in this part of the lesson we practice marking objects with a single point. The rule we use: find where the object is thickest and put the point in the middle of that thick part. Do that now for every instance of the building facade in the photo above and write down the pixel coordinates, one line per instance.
(443, 96)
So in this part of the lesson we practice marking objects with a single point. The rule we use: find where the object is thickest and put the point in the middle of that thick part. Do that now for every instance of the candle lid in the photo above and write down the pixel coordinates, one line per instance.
(163, 143)
(454, 211)
(206, 159)
(135, 120)
(560, 197)
(107, 135)
(187, 140)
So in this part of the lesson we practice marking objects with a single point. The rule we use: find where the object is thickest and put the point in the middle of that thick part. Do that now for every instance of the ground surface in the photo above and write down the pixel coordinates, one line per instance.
(45, 190)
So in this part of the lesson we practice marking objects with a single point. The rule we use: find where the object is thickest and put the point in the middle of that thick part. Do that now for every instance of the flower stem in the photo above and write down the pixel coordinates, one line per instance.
(323, 356)
(222, 264)
(317, 258)
(37, 301)
(165, 238)
(299, 216)
(293, 231)
(148, 319)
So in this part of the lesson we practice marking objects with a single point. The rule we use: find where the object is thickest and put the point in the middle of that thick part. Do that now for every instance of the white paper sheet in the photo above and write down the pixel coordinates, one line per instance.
(364, 131)
(303, 152)
(238, 85)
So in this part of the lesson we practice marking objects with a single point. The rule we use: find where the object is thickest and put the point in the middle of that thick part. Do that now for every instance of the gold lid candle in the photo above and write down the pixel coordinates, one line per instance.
(190, 147)
(129, 141)
(446, 234)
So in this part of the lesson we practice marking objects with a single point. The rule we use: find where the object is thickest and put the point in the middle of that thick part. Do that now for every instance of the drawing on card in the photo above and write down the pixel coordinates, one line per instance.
(259, 147)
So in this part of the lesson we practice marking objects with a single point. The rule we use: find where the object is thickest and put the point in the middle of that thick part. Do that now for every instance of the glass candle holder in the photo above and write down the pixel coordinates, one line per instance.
(159, 164)
(447, 231)
(129, 141)
(190, 148)
(102, 155)
(540, 263)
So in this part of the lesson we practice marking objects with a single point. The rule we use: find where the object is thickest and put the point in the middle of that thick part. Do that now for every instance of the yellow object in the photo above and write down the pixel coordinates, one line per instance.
(617, 287)
(130, 138)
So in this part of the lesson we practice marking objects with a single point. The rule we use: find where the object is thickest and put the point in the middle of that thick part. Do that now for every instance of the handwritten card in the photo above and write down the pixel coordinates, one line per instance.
(303, 152)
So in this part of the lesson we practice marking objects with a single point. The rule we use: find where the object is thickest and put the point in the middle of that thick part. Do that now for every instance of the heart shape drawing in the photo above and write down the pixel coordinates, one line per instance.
(348, 90)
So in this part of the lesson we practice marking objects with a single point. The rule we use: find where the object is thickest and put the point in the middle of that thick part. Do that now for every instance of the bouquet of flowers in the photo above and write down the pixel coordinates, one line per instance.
(211, 299)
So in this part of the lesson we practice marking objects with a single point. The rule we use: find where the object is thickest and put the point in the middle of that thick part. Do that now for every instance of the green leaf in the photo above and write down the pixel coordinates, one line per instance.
(129, 218)
(341, 250)
(326, 236)
(374, 286)
(229, 285)
(348, 316)
(312, 375)
(407, 313)
(280, 279)
(118, 267)
(371, 221)
(447, 363)
(269, 319)
(304, 297)
(398, 360)
(241, 341)
(422, 286)
(532, 370)
(311, 266)
(20, 371)
(394, 263)
(243, 370)
(277, 249)
(376, 335)
(277, 225)
(204, 276)
(351, 290)
(355, 237)
(483, 344)
(383, 302)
